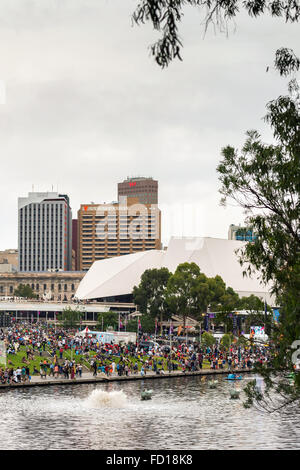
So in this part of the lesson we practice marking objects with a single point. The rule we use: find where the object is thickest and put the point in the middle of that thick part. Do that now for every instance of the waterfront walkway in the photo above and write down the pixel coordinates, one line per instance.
(87, 377)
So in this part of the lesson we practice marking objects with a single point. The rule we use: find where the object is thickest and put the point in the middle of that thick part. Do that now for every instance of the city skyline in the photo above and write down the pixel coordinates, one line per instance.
(172, 215)
(84, 108)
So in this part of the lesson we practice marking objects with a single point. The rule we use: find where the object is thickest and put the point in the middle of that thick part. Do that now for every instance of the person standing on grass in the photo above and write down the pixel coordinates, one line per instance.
(56, 371)
(94, 366)
(19, 374)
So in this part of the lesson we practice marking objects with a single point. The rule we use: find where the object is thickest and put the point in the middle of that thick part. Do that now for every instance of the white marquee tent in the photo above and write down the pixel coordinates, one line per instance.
(117, 276)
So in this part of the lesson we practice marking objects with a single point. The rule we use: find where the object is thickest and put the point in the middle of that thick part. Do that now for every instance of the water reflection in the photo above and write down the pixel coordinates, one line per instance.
(183, 414)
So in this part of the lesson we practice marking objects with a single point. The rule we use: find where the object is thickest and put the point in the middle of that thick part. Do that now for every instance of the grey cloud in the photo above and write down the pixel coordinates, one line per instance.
(87, 106)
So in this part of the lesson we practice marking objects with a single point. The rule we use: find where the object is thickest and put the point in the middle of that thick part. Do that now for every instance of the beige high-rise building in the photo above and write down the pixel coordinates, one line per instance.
(116, 229)
(143, 188)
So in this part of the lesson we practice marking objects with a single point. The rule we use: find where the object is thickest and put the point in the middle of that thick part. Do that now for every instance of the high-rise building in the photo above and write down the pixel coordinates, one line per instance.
(74, 244)
(144, 189)
(116, 229)
(236, 232)
(45, 232)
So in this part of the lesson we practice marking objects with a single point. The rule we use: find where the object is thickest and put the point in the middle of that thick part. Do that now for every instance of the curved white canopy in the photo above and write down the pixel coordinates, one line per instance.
(118, 275)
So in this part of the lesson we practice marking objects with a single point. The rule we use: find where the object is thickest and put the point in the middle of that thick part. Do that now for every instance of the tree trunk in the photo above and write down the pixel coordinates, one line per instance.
(161, 318)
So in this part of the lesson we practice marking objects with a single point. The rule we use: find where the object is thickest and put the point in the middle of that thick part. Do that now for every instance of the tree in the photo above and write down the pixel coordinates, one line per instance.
(256, 314)
(108, 319)
(188, 292)
(227, 340)
(224, 300)
(70, 318)
(207, 339)
(24, 291)
(264, 179)
(150, 294)
(165, 16)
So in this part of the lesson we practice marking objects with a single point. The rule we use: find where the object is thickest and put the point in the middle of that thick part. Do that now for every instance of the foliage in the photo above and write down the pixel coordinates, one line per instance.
(150, 294)
(108, 319)
(264, 179)
(242, 341)
(165, 16)
(70, 318)
(147, 324)
(227, 340)
(207, 339)
(187, 291)
(256, 315)
(24, 291)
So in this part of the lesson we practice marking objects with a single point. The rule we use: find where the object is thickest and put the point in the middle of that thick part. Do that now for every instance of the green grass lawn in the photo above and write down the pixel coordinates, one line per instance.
(15, 360)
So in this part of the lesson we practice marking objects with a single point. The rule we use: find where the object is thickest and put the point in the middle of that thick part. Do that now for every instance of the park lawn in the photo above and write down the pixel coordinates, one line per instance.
(15, 360)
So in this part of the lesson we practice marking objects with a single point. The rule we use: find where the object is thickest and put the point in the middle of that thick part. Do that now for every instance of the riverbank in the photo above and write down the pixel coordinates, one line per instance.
(89, 378)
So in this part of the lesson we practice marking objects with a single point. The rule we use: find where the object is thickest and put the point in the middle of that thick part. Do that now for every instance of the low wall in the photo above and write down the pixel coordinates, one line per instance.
(148, 376)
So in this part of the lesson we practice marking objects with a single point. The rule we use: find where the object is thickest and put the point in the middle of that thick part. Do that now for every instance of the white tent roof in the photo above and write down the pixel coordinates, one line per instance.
(117, 276)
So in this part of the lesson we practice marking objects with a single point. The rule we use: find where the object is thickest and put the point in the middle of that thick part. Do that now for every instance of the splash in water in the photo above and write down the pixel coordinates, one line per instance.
(102, 399)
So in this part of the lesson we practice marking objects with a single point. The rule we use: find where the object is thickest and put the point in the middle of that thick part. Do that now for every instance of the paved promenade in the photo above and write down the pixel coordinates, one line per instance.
(87, 377)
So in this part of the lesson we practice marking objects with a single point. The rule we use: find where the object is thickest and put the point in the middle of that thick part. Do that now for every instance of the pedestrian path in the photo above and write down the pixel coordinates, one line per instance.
(88, 377)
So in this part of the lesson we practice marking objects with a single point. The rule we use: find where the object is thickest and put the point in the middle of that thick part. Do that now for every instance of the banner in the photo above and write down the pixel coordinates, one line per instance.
(276, 315)
(257, 330)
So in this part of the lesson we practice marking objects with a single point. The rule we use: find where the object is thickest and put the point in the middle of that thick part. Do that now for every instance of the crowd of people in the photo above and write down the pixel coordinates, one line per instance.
(65, 353)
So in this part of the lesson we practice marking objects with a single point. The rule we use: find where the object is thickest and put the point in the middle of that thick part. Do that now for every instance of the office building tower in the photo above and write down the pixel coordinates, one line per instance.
(144, 189)
(45, 232)
(74, 244)
(116, 229)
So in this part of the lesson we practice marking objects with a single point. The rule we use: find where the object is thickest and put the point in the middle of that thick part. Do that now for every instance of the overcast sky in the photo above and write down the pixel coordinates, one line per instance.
(86, 106)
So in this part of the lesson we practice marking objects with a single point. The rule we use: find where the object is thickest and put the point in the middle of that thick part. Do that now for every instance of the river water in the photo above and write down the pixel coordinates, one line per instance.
(184, 413)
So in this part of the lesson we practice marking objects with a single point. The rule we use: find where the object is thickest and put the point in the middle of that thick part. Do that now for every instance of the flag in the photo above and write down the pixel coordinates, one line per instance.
(171, 329)
(139, 324)
(276, 315)
(121, 324)
(179, 330)
(266, 311)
